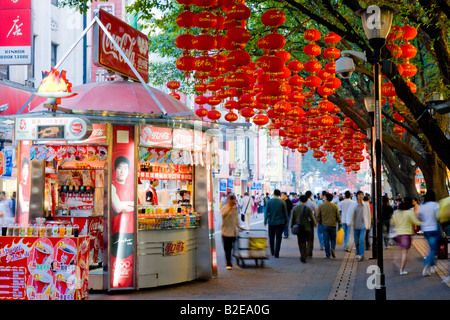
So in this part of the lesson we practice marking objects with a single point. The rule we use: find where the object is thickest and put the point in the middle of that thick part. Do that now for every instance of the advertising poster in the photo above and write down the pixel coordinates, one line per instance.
(122, 208)
(24, 178)
(44, 268)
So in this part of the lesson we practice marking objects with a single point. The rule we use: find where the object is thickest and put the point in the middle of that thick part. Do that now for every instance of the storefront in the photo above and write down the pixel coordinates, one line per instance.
(138, 189)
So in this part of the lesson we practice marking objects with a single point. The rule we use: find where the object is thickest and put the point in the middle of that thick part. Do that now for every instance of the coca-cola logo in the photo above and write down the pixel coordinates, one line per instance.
(76, 127)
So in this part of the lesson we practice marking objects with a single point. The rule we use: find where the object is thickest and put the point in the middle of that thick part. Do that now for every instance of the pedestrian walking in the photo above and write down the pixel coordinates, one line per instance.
(386, 215)
(13, 204)
(304, 216)
(289, 207)
(360, 223)
(224, 199)
(444, 220)
(276, 217)
(328, 216)
(368, 204)
(428, 215)
(404, 220)
(312, 205)
(247, 208)
(347, 207)
(230, 227)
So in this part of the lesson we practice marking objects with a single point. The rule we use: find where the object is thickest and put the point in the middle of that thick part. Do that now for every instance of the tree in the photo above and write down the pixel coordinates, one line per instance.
(427, 139)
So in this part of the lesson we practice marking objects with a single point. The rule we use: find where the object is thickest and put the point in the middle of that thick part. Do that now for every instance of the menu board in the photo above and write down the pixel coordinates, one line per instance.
(44, 268)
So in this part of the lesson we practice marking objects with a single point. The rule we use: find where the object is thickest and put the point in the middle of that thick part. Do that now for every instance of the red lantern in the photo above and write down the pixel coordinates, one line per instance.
(231, 104)
(302, 149)
(173, 85)
(204, 64)
(200, 87)
(323, 74)
(282, 107)
(295, 66)
(201, 112)
(325, 91)
(313, 82)
(260, 119)
(408, 32)
(205, 42)
(231, 117)
(185, 41)
(238, 35)
(238, 58)
(270, 63)
(332, 38)
(273, 18)
(396, 51)
(237, 80)
(412, 86)
(313, 66)
(205, 3)
(238, 12)
(312, 50)
(186, 19)
(283, 54)
(296, 81)
(312, 35)
(330, 67)
(214, 115)
(388, 90)
(272, 41)
(205, 20)
(185, 63)
(408, 51)
(332, 53)
(407, 70)
(213, 100)
(247, 112)
(276, 88)
(334, 83)
(201, 100)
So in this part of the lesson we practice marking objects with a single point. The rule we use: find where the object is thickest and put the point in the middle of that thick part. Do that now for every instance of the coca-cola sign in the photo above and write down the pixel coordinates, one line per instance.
(156, 137)
(131, 41)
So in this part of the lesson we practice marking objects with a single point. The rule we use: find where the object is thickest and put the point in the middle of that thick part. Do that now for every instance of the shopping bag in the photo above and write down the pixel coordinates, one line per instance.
(340, 236)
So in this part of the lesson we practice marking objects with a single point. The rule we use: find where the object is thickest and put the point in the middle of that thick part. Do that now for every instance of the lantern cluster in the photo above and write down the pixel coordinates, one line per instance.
(173, 86)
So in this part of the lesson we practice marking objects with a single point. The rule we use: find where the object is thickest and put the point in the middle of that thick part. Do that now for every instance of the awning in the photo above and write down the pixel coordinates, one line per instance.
(121, 96)
(15, 98)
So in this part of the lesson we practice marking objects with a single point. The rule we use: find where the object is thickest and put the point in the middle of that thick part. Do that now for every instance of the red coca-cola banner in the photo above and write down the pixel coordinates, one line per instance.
(156, 137)
(131, 41)
(122, 235)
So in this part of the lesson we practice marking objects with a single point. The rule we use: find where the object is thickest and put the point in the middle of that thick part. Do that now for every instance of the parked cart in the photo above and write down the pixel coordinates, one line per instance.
(251, 244)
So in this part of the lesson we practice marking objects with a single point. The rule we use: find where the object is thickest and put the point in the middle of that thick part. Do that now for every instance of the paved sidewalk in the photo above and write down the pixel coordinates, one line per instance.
(286, 278)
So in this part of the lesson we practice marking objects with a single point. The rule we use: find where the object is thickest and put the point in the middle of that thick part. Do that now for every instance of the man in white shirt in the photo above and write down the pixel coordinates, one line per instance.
(310, 204)
(361, 223)
(347, 207)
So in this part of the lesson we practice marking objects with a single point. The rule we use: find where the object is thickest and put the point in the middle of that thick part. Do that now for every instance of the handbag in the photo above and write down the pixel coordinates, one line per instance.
(340, 236)
(243, 212)
(297, 228)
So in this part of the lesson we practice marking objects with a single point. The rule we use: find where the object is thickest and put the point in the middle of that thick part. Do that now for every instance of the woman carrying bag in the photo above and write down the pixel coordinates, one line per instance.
(230, 226)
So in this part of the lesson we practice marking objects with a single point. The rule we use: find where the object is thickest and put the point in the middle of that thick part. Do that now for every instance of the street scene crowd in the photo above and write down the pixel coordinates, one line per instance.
(335, 218)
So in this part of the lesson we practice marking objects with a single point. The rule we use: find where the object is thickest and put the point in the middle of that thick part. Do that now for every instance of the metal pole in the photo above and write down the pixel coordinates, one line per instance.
(380, 292)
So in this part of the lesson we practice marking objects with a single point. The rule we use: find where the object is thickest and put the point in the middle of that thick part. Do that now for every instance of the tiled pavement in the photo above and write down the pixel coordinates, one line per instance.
(286, 278)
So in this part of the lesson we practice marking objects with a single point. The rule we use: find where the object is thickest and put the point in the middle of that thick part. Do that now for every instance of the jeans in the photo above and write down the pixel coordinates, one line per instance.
(360, 239)
(329, 239)
(347, 229)
(433, 240)
(286, 229)
(320, 234)
(228, 243)
(275, 237)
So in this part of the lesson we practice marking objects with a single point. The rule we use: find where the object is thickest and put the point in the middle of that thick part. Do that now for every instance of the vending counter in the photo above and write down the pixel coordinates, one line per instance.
(44, 268)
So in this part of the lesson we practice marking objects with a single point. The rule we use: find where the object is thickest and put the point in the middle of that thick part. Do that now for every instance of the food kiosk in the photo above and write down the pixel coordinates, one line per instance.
(139, 189)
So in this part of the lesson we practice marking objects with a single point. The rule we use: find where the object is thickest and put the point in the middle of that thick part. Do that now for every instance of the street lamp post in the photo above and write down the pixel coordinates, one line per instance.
(369, 103)
(376, 23)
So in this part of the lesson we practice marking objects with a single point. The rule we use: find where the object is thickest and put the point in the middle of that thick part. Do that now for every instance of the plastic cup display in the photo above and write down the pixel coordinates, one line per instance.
(62, 231)
(42, 252)
(41, 281)
(48, 231)
(29, 230)
(4, 230)
(16, 230)
(41, 230)
(76, 230)
(10, 230)
(65, 254)
(69, 230)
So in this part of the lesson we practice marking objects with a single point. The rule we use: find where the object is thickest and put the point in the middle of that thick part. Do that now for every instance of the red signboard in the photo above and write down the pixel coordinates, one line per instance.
(122, 208)
(15, 36)
(41, 268)
(156, 137)
(183, 139)
(15, 4)
(131, 41)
